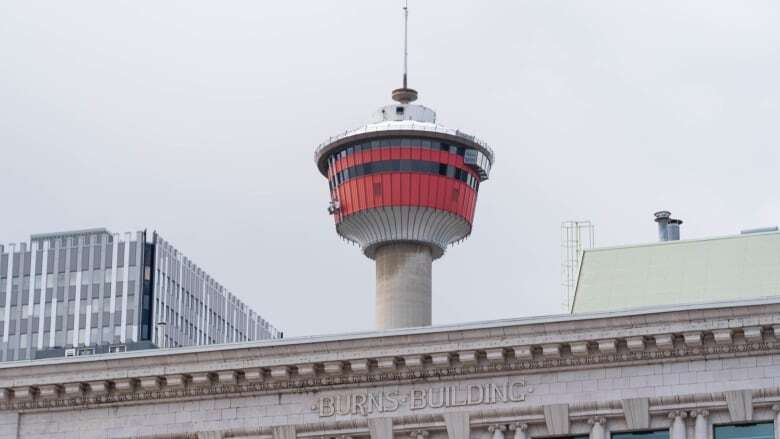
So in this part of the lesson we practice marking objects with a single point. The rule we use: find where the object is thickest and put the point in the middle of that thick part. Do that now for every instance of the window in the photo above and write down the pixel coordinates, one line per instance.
(764, 430)
(659, 434)
(117, 348)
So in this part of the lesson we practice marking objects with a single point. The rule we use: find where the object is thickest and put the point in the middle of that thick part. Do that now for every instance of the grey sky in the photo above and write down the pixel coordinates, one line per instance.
(199, 119)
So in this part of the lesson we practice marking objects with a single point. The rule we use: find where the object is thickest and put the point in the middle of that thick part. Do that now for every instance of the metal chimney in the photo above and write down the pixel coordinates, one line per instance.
(673, 229)
(668, 227)
(662, 218)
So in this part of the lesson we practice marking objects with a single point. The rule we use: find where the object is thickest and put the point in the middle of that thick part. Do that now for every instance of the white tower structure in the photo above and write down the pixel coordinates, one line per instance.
(404, 188)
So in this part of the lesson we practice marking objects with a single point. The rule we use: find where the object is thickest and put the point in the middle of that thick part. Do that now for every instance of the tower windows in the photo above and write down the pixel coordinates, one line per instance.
(407, 166)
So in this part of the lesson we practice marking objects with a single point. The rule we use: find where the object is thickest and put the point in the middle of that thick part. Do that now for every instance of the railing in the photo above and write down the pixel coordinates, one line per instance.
(404, 125)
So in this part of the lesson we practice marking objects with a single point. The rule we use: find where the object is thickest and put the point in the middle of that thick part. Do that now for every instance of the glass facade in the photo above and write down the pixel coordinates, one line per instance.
(763, 430)
(92, 288)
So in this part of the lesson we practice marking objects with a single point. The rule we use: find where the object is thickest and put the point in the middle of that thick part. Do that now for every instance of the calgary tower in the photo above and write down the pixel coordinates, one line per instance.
(404, 187)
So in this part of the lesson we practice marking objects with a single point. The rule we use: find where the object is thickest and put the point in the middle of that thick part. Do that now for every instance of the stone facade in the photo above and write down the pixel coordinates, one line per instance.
(683, 369)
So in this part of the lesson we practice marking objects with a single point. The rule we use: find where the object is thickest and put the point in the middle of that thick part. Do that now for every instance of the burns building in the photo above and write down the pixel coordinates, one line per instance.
(91, 291)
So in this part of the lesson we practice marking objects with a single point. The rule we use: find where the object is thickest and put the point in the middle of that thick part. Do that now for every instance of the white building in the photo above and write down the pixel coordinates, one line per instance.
(709, 371)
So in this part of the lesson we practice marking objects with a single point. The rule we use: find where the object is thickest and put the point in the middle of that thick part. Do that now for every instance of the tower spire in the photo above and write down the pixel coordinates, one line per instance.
(405, 94)
(406, 38)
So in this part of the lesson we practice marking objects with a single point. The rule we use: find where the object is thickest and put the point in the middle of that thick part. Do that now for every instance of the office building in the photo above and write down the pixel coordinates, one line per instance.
(91, 291)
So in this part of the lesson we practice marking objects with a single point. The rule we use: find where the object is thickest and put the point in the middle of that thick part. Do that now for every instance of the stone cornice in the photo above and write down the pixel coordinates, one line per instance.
(393, 359)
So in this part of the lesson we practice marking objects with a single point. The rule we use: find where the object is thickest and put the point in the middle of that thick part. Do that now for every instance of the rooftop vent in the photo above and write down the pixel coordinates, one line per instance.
(668, 227)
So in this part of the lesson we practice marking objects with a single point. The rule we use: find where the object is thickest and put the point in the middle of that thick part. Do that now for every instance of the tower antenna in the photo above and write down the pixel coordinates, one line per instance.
(405, 94)
(406, 38)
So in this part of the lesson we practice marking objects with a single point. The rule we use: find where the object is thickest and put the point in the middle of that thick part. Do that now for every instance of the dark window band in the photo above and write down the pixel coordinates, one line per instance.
(400, 142)
(420, 166)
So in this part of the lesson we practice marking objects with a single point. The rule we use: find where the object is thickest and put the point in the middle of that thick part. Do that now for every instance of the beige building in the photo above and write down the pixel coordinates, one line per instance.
(692, 372)
(677, 272)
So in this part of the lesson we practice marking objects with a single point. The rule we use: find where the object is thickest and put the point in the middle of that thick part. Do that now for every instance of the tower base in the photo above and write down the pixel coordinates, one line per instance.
(403, 285)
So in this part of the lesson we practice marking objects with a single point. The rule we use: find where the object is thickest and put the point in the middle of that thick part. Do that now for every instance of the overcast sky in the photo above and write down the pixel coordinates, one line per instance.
(199, 119)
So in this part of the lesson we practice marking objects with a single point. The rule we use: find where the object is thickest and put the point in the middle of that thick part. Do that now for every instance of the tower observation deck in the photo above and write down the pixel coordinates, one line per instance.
(403, 188)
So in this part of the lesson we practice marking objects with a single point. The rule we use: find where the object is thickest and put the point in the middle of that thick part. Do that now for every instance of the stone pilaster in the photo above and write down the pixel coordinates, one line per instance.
(458, 425)
(520, 430)
(700, 426)
(776, 409)
(419, 434)
(497, 430)
(677, 428)
(597, 429)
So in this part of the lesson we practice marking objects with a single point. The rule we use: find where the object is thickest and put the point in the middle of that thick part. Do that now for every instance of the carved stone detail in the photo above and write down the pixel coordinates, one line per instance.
(723, 336)
(497, 430)
(740, 404)
(413, 360)
(467, 357)
(635, 343)
(523, 352)
(441, 359)
(693, 339)
(608, 346)
(753, 334)
(520, 430)
(495, 354)
(579, 348)
(551, 350)
(637, 413)
(664, 341)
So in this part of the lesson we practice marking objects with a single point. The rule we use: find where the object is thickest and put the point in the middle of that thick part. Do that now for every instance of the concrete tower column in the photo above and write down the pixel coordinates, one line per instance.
(403, 285)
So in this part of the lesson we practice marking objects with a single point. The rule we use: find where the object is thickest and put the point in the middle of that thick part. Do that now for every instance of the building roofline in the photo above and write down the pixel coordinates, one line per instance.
(679, 242)
(69, 233)
(406, 332)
